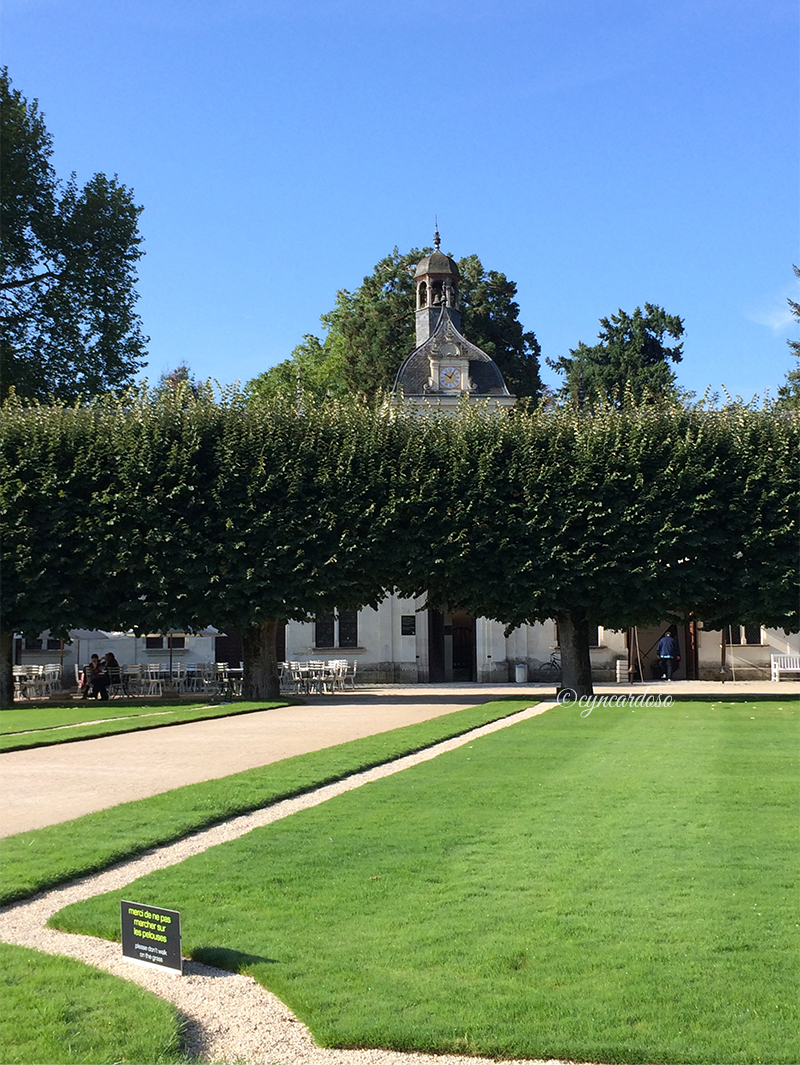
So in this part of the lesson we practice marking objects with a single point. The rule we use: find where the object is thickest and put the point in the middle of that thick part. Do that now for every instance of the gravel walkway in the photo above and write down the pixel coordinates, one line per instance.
(47, 785)
(229, 1018)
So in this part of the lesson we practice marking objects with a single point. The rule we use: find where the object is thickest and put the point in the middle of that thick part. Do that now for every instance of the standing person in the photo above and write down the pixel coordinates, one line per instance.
(669, 652)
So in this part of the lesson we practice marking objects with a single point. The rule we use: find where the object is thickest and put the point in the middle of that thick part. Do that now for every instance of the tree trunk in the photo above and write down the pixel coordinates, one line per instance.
(576, 663)
(260, 661)
(6, 669)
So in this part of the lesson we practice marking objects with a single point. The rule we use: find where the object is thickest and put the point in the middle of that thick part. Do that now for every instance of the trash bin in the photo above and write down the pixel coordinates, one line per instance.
(521, 673)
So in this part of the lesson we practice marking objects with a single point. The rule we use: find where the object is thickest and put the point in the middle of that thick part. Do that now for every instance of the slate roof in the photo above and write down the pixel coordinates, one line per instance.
(437, 263)
(413, 376)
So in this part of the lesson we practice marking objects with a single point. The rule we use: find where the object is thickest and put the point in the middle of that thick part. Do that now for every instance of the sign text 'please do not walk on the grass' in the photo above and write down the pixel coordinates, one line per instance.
(151, 935)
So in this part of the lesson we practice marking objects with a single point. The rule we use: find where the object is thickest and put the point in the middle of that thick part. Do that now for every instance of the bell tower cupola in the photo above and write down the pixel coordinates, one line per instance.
(445, 369)
(437, 280)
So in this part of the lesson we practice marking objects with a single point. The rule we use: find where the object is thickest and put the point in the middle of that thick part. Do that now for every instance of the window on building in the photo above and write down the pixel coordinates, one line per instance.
(348, 628)
(32, 644)
(324, 629)
(743, 634)
(339, 629)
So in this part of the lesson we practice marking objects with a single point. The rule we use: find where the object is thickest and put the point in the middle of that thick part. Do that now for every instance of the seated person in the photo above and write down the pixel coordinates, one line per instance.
(113, 670)
(95, 680)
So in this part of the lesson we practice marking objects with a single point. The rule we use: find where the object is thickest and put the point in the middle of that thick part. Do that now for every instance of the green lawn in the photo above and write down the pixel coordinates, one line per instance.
(60, 1010)
(41, 726)
(620, 888)
(32, 861)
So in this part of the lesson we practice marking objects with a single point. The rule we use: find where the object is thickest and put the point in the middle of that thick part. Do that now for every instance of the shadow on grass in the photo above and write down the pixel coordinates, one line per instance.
(233, 961)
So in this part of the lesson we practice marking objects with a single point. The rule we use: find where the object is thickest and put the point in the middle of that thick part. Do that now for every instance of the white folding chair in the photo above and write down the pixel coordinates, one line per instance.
(20, 679)
(300, 677)
(206, 678)
(350, 675)
(116, 685)
(335, 674)
(132, 679)
(34, 686)
(284, 677)
(178, 678)
(52, 677)
(221, 678)
(153, 679)
(193, 677)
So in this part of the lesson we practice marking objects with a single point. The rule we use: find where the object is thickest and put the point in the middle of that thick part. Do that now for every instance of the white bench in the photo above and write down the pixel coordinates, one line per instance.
(783, 664)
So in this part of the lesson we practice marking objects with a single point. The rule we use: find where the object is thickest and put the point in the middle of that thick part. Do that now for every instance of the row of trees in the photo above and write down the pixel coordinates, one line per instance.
(178, 510)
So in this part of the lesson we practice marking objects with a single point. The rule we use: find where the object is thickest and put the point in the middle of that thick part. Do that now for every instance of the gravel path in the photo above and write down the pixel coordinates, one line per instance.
(47, 785)
(229, 1018)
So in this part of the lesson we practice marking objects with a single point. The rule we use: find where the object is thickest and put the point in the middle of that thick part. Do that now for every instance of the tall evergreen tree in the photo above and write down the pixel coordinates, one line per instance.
(371, 330)
(632, 360)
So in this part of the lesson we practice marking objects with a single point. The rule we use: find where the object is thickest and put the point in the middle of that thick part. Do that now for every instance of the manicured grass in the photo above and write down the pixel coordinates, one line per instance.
(60, 1010)
(39, 716)
(619, 888)
(31, 861)
(131, 718)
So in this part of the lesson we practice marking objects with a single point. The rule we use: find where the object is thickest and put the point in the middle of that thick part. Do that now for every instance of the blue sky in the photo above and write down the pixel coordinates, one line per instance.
(600, 154)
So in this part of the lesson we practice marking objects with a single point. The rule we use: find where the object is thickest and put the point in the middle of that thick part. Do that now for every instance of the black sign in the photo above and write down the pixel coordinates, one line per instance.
(151, 935)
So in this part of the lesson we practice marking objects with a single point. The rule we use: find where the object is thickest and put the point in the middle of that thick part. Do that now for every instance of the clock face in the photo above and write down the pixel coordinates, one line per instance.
(449, 377)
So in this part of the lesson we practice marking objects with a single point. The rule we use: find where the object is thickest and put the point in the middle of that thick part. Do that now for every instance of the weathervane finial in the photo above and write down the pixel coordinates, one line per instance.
(437, 240)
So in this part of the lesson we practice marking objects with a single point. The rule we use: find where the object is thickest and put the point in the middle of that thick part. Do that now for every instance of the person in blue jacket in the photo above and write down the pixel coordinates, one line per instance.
(669, 652)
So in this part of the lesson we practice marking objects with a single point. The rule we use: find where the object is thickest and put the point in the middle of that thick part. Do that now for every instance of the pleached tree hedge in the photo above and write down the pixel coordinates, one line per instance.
(619, 517)
(177, 510)
(308, 500)
(174, 511)
(106, 519)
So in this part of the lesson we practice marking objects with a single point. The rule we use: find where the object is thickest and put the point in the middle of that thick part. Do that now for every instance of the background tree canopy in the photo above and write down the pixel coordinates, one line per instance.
(68, 268)
(632, 357)
(371, 330)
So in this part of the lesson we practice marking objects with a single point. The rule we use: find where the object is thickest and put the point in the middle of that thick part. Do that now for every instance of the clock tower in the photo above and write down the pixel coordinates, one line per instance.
(445, 367)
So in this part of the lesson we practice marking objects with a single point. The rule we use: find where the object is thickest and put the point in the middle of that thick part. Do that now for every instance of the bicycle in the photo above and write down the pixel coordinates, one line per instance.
(549, 672)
